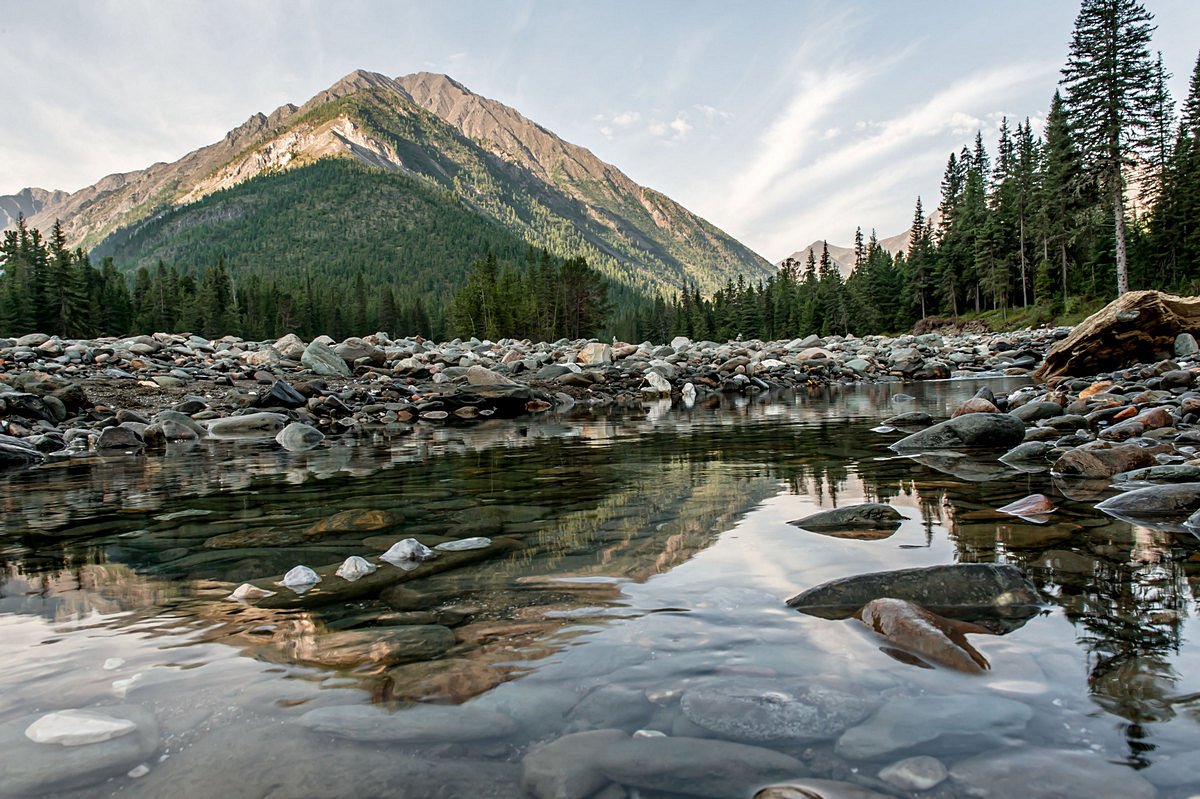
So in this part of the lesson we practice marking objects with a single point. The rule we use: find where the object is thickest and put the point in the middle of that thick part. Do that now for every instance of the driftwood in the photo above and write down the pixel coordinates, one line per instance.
(1137, 327)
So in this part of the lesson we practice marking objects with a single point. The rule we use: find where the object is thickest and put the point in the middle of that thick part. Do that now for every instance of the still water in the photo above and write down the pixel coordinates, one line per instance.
(645, 553)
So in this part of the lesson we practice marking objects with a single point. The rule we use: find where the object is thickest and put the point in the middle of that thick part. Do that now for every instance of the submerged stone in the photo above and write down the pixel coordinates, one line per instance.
(423, 724)
(1050, 773)
(764, 710)
(908, 721)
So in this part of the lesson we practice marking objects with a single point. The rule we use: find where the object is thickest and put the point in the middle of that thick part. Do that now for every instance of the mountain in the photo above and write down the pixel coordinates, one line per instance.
(27, 203)
(844, 256)
(417, 130)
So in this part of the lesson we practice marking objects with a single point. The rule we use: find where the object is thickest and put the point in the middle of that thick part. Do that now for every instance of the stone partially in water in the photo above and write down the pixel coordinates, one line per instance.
(248, 593)
(354, 567)
(1176, 500)
(753, 710)
(988, 430)
(407, 554)
(424, 724)
(300, 579)
(695, 766)
(1047, 774)
(960, 590)
(77, 728)
(37, 769)
(908, 721)
(1034, 507)
(299, 437)
(563, 768)
(463, 544)
(870, 519)
(929, 637)
(252, 425)
(1091, 464)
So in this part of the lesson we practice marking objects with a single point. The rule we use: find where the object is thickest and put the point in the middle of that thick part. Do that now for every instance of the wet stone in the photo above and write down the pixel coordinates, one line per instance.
(424, 724)
(564, 768)
(905, 722)
(1055, 774)
(748, 710)
(35, 769)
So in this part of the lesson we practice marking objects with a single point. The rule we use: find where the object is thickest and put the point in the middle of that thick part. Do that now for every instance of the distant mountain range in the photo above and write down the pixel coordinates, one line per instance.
(421, 133)
(844, 256)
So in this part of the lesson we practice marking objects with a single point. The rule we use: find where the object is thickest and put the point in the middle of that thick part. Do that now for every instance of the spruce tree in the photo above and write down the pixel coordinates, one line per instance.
(1109, 78)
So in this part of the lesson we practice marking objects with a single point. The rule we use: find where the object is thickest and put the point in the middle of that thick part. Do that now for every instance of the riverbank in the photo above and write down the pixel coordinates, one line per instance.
(63, 398)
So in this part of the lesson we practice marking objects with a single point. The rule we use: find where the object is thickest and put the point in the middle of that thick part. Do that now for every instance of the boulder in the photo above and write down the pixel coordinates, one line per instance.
(870, 520)
(983, 430)
(960, 590)
(596, 353)
(908, 721)
(563, 768)
(695, 766)
(252, 425)
(321, 359)
(1162, 502)
(1095, 463)
(1049, 773)
(767, 710)
(1137, 327)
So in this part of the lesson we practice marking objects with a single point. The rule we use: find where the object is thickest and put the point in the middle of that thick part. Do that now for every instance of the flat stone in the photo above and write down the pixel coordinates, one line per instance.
(867, 516)
(252, 425)
(1176, 500)
(765, 710)
(695, 766)
(915, 773)
(992, 430)
(905, 722)
(77, 727)
(564, 768)
(965, 591)
(36, 769)
(424, 724)
(1047, 774)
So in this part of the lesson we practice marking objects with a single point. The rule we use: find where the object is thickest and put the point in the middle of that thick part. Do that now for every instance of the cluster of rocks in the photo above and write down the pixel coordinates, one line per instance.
(66, 398)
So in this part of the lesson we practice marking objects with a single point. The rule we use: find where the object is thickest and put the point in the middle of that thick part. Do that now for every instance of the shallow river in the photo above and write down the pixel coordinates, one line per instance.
(644, 555)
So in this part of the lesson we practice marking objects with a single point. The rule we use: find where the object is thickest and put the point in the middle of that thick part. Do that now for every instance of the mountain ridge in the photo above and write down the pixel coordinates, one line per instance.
(497, 161)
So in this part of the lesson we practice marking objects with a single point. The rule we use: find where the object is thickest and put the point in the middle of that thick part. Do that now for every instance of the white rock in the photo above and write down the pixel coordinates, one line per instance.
(689, 394)
(478, 542)
(354, 567)
(77, 727)
(680, 343)
(138, 771)
(658, 384)
(407, 553)
(649, 734)
(300, 579)
(246, 592)
(112, 664)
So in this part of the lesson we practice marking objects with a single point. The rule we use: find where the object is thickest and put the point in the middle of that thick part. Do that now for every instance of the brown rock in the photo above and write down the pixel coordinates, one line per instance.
(1096, 388)
(975, 405)
(1138, 326)
(1091, 464)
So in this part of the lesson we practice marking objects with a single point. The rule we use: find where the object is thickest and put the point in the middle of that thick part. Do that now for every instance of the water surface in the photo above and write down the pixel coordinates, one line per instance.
(651, 553)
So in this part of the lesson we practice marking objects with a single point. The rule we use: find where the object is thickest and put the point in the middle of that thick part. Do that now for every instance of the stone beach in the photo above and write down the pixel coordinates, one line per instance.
(742, 720)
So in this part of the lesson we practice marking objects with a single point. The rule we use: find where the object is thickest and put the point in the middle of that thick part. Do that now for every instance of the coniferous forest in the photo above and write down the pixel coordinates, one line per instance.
(1032, 227)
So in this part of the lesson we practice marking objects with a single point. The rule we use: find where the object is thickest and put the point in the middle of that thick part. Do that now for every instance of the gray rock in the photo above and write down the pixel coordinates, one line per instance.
(966, 587)
(764, 710)
(564, 768)
(252, 425)
(1047, 774)
(1185, 345)
(16, 452)
(482, 376)
(970, 430)
(910, 419)
(425, 724)
(818, 789)
(1176, 473)
(695, 766)
(1176, 500)
(1028, 451)
(119, 437)
(1034, 411)
(905, 722)
(321, 359)
(867, 516)
(36, 769)
(298, 437)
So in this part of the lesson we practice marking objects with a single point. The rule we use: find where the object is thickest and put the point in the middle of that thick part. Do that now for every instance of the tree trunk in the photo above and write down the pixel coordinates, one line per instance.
(1119, 230)
(1024, 296)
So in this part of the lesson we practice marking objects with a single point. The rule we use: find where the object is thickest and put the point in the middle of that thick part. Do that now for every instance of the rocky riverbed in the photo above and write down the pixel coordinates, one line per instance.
(67, 398)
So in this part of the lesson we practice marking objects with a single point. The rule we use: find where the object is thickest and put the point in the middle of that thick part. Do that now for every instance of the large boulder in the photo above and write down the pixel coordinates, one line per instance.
(991, 430)
(1137, 327)
(1167, 502)
(960, 590)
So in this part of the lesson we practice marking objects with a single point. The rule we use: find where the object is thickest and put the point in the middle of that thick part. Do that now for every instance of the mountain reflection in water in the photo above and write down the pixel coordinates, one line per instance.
(650, 550)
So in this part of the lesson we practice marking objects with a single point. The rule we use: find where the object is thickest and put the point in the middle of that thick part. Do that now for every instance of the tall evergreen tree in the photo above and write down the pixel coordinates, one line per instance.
(1109, 78)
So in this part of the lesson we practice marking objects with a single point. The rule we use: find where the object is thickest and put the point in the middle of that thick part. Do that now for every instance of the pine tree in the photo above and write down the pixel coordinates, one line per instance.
(1109, 78)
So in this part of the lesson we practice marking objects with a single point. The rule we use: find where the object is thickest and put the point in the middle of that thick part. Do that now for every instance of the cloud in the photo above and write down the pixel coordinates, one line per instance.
(680, 126)
(626, 118)
(712, 114)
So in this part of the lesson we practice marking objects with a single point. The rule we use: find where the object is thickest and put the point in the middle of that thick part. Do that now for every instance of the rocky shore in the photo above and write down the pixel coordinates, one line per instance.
(66, 398)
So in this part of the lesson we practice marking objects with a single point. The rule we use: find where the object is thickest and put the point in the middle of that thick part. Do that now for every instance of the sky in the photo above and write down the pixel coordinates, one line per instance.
(780, 122)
